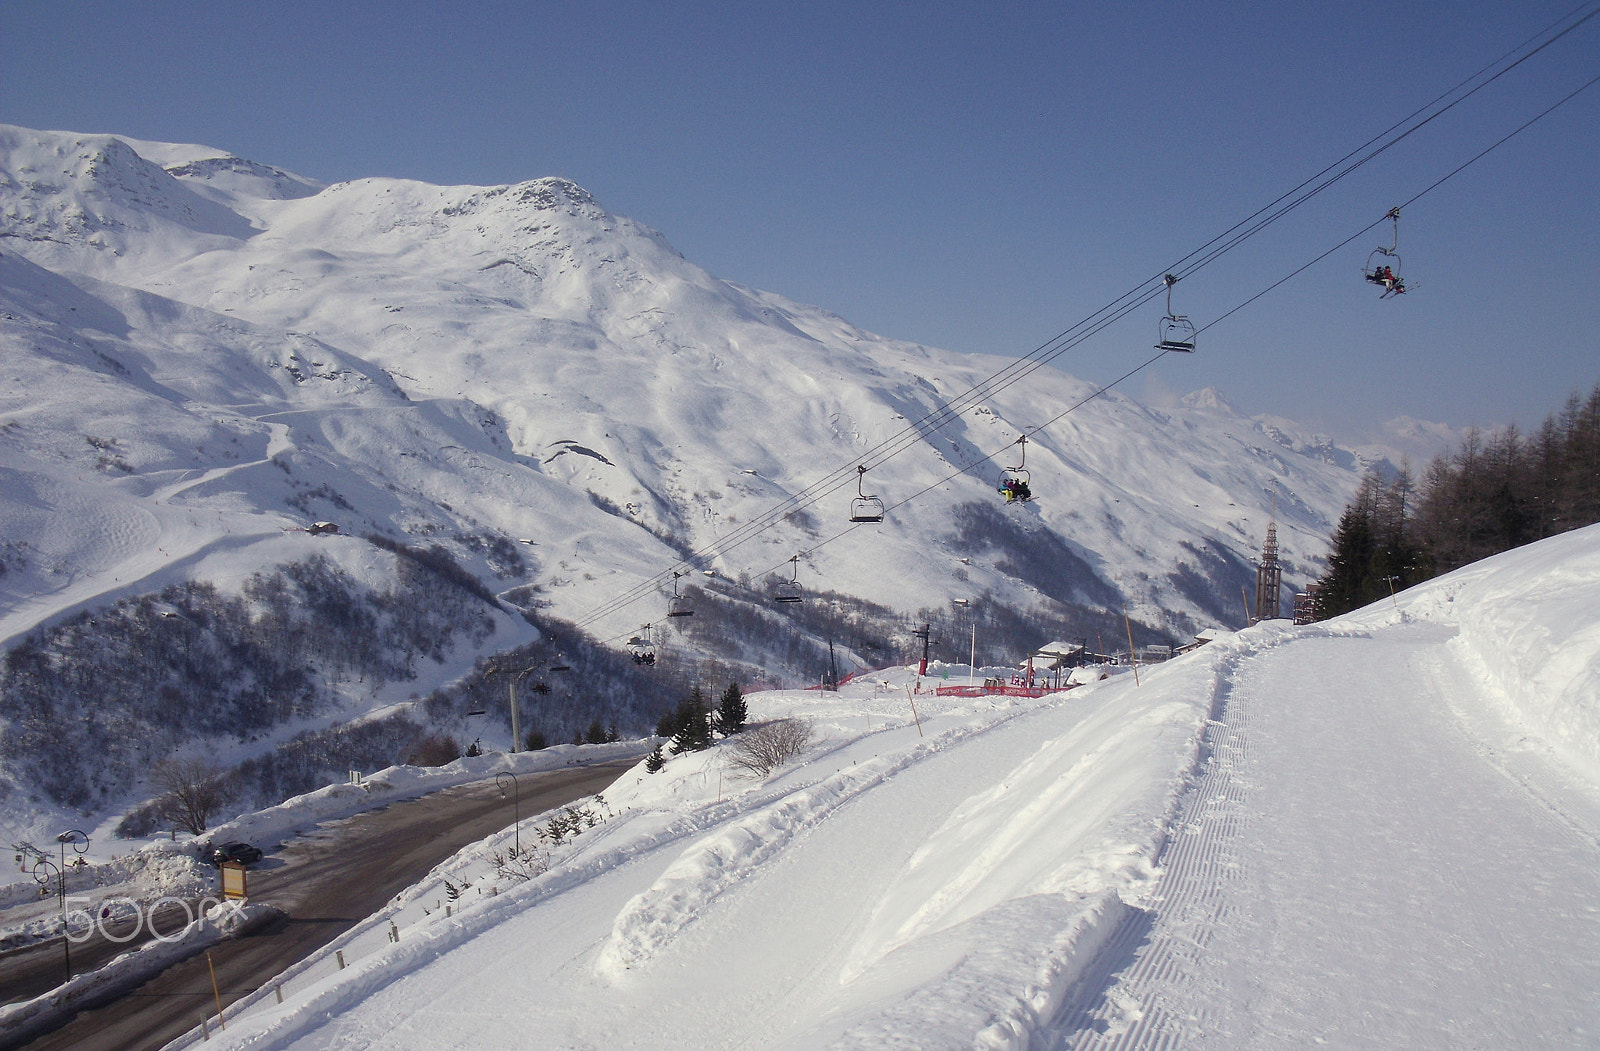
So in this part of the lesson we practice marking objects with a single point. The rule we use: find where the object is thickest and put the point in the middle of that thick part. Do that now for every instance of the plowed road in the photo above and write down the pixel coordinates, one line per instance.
(327, 881)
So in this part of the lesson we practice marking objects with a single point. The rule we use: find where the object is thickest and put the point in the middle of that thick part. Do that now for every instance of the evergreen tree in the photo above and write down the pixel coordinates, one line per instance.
(1492, 494)
(667, 725)
(596, 734)
(731, 712)
(655, 761)
(1374, 549)
(694, 724)
(1352, 550)
(1581, 475)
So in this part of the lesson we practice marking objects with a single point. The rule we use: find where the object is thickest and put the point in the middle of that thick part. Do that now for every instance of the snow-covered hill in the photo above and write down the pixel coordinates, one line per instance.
(204, 354)
(1383, 830)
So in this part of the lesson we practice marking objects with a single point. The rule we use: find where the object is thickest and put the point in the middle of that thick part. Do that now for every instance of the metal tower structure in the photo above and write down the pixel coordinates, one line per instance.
(1269, 578)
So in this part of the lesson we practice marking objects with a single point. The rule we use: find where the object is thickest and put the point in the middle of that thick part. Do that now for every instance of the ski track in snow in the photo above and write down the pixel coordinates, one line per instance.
(1302, 866)
(1198, 863)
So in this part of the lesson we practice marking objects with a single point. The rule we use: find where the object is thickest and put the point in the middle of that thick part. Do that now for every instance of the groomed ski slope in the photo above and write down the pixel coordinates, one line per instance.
(1361, 870)
(1379, 832)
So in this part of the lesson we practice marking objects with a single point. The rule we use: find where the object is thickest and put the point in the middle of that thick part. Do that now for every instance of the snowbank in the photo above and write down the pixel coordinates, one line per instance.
(1528, 631)
(396, 783)
(992, 916)
(156, 871)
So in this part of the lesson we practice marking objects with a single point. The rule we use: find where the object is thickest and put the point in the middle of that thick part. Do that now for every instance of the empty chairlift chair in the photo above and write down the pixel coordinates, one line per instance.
(678, 606)
(789, 590)
(865, 508)
(1176, 332)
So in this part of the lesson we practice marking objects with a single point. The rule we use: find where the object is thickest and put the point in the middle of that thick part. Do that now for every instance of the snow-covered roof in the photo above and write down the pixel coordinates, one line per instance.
(1058, 651)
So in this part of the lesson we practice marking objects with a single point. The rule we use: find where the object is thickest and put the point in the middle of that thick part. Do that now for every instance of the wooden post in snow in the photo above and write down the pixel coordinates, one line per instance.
(914, 714)
(214, 990)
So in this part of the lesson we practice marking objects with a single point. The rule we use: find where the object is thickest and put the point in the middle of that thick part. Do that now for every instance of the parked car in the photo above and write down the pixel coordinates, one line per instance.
(243, 853)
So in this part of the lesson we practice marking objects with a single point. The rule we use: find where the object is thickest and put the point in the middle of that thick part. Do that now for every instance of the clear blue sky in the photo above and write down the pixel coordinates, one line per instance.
(975, 176)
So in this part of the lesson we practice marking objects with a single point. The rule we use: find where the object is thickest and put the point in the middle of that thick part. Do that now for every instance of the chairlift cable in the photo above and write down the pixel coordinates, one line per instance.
(1211, 253)
(1413, 199)
(1092, 324)
(991, 457)
(1269, 288)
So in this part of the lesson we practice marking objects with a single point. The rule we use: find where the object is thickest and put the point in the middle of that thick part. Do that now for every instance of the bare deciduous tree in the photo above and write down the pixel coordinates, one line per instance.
(761, 749)
(436, 749)
(191, 791)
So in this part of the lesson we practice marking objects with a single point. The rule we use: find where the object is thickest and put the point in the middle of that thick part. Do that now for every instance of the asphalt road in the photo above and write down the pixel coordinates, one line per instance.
(326, 881)
(38, 968)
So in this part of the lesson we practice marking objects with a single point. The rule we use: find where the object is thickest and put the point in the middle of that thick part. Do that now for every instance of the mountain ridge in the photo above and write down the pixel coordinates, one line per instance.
(573, 327)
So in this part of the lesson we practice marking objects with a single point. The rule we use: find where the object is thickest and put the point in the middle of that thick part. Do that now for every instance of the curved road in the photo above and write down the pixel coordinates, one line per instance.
(326, 881)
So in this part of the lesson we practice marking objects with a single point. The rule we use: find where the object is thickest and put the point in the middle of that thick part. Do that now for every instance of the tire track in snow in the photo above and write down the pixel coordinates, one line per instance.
(1118, 1005)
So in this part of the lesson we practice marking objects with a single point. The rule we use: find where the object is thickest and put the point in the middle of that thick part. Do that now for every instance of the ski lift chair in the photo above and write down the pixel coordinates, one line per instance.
(678, 606)
(642, 652)
(1380, 270)
(1014, 480)
(865, 508)
(1176, 332)
(789, 590)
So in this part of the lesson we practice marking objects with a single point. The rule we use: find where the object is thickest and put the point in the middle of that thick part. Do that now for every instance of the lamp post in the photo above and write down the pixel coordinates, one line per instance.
(41, 875)
(516, 794)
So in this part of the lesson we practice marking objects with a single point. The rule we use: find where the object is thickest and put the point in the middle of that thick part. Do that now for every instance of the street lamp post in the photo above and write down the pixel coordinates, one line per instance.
(41, 875)
(516, 793)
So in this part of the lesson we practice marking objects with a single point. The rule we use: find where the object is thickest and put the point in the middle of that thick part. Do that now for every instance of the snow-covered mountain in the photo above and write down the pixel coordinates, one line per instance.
(203, 355)
(449, 358)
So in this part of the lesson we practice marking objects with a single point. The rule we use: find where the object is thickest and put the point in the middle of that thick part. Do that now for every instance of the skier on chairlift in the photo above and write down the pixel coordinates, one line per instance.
(1016, 489)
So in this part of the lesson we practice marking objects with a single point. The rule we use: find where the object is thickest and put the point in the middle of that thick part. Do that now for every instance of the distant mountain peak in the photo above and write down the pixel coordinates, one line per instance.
(557, 362)
(1208, 399)
(551, 193)
(545, 195)
(96, 191)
